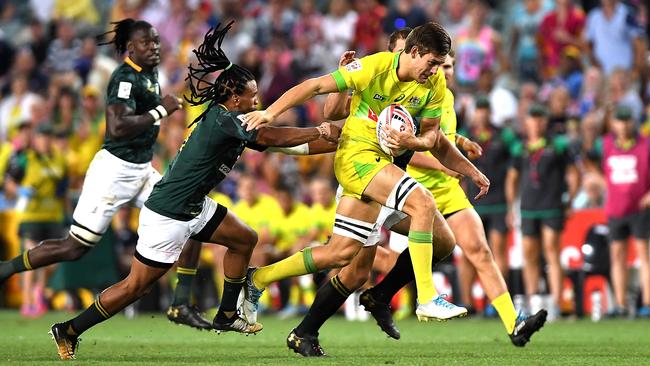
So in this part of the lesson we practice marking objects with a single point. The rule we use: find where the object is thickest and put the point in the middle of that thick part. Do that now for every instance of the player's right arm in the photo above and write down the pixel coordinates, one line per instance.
(355, 75)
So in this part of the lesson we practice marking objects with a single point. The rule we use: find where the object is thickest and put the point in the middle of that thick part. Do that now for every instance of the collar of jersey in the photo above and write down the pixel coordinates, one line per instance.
(223, 106)
(398, 82)
(130, 62)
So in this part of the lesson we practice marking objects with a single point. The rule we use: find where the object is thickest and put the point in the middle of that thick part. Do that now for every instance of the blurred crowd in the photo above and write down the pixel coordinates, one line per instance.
(581, 60)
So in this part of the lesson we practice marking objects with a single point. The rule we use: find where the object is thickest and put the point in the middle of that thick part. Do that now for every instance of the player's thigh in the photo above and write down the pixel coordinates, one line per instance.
(152, 178)
(395, 189)
(108, 185)
(233, 231)
(531, 247)
(468, 230)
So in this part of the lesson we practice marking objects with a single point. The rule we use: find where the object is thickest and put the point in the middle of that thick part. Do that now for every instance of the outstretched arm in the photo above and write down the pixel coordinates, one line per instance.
(293, 136)
(293, 97)
(424, 161)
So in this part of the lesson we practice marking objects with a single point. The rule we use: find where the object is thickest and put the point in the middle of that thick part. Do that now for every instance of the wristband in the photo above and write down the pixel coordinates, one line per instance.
(158, 113)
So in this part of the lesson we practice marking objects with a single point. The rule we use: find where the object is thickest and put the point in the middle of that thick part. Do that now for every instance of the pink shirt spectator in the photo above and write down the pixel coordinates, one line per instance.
(628, 175)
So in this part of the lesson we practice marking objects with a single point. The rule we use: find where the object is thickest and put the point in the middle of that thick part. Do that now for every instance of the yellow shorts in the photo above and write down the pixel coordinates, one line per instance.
(450, 199)
(356, 163)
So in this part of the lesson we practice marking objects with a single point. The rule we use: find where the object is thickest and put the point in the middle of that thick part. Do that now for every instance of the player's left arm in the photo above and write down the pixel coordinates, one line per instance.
(451, 158)
(424, 161)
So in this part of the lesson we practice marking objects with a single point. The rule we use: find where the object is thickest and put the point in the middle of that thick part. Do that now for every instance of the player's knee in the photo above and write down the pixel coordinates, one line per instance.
(356, 279)
(479, 252)
(425, 204)
(344, 256)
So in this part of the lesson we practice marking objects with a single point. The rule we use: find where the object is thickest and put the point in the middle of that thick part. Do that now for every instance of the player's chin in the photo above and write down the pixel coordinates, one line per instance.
(153, 60)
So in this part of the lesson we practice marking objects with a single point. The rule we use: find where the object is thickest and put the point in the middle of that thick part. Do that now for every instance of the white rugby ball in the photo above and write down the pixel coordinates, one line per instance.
(396, 117)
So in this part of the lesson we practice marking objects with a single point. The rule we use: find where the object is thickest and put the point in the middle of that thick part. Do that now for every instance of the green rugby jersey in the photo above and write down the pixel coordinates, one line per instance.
(139, 90)
(202, 162)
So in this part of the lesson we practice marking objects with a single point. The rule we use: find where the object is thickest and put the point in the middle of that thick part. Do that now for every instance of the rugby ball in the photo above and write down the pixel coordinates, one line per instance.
(394, 116)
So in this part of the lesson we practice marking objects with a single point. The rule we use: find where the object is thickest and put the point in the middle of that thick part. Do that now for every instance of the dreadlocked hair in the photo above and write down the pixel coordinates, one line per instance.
(210, 57)
(122, 32)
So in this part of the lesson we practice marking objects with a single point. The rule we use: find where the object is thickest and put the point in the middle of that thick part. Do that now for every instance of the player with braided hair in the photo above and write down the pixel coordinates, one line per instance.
(178, 207)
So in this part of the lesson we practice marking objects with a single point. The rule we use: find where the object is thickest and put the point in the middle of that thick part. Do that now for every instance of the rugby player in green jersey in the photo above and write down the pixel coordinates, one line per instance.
(121, 172)
(178, 208)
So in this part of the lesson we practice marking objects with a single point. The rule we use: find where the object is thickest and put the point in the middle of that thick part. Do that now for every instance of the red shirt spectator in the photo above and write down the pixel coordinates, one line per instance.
(560, 28)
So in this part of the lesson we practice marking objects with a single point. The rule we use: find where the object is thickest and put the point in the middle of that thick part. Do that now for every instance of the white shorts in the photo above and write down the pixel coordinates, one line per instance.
(387, 218)
(161, 239)
(109, 184)
(398, 242)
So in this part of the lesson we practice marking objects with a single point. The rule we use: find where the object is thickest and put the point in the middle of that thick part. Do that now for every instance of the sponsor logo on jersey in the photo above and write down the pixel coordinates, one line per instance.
(353, 66)
(379, 97)
(399, 99)
(124, 90)
(372, 115)
(224, 169)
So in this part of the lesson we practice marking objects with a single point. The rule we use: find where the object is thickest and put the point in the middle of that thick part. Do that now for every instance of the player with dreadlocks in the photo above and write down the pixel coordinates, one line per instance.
(178, 207)
(121, 171)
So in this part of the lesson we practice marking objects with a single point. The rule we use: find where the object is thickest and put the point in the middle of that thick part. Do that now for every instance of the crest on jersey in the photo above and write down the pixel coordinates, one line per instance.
(414, 101)
(353, 66)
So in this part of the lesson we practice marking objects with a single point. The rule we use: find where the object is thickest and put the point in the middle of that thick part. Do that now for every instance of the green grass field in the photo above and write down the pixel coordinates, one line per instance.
(152, 340)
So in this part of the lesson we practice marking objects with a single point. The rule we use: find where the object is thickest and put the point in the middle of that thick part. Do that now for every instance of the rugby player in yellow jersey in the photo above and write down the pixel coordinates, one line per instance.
(468, 229)
(367, 174)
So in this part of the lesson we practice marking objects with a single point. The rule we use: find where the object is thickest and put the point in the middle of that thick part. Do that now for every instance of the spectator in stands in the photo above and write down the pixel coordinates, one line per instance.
(338, 31)
(16, 107)
(64, 49)
(41, 176)
(478, 47)
(612, 30)
(368, 37)
(527, 17)
(621, 92)
(626, 164)
(560, 28)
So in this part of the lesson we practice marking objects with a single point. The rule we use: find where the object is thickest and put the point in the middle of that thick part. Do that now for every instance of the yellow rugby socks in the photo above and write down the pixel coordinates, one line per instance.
(506, 309)
(298, 264)
(421, 250)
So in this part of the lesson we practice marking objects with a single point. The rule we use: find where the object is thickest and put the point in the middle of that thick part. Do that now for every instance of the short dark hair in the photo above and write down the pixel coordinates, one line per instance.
(429, 37)
(397, 35)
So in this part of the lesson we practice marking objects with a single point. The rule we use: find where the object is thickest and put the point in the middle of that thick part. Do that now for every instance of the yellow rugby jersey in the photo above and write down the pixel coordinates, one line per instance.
(322, 220)
(436, 179)
(261, 214)
(374, 81)
(287, 229)
(45, 179)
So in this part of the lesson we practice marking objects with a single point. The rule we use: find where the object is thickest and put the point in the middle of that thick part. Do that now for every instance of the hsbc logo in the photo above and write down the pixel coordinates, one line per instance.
(379, 97)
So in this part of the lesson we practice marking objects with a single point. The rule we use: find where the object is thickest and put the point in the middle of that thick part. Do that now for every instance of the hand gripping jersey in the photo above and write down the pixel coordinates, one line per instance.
(374, 81)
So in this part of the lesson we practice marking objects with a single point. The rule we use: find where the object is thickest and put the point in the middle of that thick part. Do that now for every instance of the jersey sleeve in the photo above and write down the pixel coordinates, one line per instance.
(437, 95)
(357, 74)
(122, 89)
(231, 123)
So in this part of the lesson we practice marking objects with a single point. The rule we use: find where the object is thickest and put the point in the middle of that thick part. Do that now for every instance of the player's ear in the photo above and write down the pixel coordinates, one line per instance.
(413, 51)
(129, 46)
